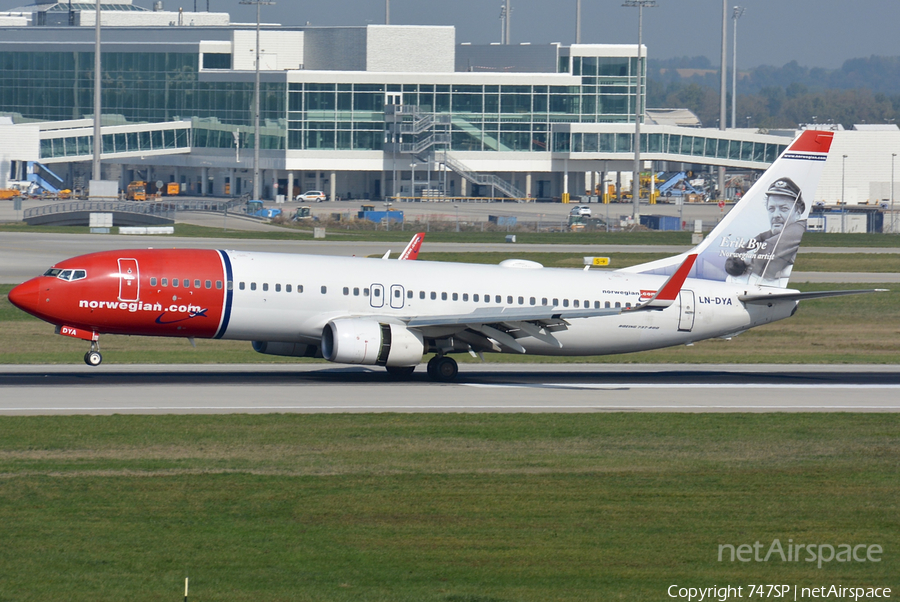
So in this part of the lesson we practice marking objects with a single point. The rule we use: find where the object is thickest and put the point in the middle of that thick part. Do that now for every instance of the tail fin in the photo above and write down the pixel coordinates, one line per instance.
(757, 242)
(412, 249)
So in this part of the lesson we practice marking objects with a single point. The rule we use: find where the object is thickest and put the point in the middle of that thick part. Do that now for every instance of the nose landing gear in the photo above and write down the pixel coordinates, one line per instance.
(93, 357)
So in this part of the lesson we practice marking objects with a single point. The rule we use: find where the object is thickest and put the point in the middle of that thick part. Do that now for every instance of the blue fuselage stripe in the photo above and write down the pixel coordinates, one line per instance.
(229, 294)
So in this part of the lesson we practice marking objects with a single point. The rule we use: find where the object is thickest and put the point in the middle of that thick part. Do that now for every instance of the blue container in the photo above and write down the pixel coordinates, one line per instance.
(379, 216)
(667, 223)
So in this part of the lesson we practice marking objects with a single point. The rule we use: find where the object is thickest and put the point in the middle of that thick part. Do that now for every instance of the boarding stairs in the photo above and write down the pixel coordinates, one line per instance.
(495, 182)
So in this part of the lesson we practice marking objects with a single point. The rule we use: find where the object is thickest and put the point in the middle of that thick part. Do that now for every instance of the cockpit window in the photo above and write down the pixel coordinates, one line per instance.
(67, 275)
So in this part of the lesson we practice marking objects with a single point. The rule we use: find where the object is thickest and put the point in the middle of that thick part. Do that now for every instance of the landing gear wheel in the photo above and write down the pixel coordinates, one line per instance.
(93, 358)
(445, 369)
(431, 364)
(400, 371)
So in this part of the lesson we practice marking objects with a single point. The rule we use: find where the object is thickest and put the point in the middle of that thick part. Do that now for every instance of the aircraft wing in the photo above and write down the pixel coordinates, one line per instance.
(798, 296)
(505, 325)
(663, 298)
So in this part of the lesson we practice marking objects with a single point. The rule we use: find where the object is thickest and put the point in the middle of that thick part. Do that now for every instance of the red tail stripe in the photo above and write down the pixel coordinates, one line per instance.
(812, 141)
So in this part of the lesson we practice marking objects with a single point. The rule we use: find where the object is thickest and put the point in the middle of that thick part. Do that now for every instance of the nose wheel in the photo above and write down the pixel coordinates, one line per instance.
(93, 357)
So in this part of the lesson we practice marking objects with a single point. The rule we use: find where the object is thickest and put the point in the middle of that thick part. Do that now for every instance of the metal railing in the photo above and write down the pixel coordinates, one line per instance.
(166, 208)
(424, 144)
(157, 209)
(481, 179)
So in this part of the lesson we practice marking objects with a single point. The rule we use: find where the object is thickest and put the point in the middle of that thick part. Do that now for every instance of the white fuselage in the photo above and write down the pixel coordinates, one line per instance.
(290, 298)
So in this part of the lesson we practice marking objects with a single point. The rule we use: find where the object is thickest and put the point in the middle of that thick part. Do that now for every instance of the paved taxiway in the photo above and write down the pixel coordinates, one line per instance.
(324, 388)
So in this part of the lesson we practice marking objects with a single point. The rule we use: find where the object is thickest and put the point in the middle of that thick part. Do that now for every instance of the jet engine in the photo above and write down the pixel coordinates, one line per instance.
(285, 349)
(363, 341)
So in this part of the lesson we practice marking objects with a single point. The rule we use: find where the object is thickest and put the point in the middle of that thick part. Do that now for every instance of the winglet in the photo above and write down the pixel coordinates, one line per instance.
(666, 296)
(412, 249)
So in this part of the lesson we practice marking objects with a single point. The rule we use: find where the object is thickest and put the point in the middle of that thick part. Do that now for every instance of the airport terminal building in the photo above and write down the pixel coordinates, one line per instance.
(359, 112)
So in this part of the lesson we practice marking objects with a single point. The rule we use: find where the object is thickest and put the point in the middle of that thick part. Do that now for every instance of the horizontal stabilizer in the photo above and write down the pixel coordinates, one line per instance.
(666, 295)
(798, 296)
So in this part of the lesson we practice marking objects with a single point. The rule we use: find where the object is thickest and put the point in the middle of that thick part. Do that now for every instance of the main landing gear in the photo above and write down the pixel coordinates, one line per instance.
(442, 368)
(93, 357)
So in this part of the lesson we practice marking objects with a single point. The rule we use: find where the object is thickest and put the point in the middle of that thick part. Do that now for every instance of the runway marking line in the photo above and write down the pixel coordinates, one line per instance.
(618, 406)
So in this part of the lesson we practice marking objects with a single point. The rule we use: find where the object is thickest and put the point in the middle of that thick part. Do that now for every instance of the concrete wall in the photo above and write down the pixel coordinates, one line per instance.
(87, 18)
(865, 175)
(279, 50)
(410, 49)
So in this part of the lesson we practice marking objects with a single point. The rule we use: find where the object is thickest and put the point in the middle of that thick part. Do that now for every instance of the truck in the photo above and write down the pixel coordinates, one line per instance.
(302, 213)
(136, 191)
(256, 209)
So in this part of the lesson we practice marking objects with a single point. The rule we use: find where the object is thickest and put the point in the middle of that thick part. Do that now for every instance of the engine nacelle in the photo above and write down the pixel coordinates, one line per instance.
(362, 341)
(285, 349)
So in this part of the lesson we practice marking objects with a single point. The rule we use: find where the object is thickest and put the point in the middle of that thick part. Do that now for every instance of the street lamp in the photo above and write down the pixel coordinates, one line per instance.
(639, 109)
(893, 156)
(736, 14)
(843, 198)
(98, 104)
(258, 3)
(578, 21)
(457, 216)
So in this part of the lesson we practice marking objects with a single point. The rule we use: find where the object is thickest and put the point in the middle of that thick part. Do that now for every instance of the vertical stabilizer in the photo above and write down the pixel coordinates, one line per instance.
(757, 242)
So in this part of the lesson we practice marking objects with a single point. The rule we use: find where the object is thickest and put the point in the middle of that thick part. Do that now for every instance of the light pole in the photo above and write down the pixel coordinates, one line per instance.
(736, 14)
(843, 198)
(412, 180)
(893, 229)
(508, 13)
(638, 110)
(723, 91)
(258, 3)
(98, 104)
(457, 216)
(578, 21)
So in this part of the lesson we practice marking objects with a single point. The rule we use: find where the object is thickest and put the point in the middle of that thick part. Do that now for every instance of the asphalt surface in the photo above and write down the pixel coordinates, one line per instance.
(529, 388)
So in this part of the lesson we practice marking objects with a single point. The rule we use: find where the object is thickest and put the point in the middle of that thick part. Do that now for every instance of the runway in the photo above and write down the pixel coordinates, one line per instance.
(529, 388)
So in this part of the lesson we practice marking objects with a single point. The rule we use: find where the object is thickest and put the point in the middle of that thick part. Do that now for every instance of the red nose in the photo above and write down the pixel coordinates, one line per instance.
(26, 295)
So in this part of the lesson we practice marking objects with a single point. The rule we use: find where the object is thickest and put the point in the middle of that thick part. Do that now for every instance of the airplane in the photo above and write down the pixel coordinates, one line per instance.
(366, 311)
(411, 252)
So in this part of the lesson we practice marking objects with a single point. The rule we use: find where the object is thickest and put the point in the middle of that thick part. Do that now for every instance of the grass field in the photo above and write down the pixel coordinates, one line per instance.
(451, 508)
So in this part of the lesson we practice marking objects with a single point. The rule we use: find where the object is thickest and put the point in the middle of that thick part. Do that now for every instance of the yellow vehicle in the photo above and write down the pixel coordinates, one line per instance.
(173, 189)
(136, 191)
(8, 193)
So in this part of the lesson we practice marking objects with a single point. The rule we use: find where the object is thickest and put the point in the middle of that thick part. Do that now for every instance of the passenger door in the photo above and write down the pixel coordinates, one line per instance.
(129, 280)
(376, 295)
(686, 303)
